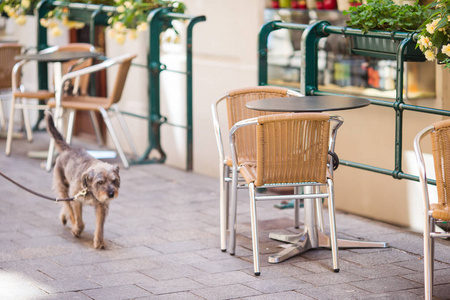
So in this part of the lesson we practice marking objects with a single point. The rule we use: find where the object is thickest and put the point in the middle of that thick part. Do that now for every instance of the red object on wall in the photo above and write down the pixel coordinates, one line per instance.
(294, 5)
(302, 4)
(329, 4)
(355, 3)
(319, 4)
(275, 4)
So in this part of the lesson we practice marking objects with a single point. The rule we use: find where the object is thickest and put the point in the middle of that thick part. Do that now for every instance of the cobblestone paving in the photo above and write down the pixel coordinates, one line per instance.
(163, 243)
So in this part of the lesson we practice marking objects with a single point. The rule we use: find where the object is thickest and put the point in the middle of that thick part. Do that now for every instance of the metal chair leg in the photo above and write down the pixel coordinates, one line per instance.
(254, 222)
(98, 132)
(223, 209)
(114, 137)
(297, 208)
(26, 121)
(70, 125)
(125, 129)
(333, 237)
(2, 115)
(233, 212)
(9, 136)
(427, 258)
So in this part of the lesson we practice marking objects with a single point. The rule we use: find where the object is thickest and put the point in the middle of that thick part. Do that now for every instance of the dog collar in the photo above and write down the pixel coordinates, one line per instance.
(83, 193)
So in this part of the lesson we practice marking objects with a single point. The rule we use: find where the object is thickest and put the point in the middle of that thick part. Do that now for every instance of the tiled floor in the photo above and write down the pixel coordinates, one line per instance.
(163, 243)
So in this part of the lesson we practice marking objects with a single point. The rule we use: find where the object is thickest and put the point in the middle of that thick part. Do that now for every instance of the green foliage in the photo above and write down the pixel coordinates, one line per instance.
(434, 37)
(386, 15)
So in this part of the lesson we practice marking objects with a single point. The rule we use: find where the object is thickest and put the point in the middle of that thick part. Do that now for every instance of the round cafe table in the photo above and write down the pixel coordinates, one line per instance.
(312, 236)
(308, 103)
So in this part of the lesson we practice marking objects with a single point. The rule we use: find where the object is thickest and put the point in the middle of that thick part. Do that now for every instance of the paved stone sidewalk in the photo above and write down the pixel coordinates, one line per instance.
(163, 243)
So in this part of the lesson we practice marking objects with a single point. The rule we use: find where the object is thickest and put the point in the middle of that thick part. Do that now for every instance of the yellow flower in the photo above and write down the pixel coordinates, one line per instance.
(429, 55)
(128, 4)
(119, 27)
(425, 41)
(21, 20)
(142, 27)
(120, 38)
(76, 25)
(446, 49)
(25, 3)
(7, 9)
(44, 22)
(431, 28)
(120, 9)
(132, 34)
(56, 31)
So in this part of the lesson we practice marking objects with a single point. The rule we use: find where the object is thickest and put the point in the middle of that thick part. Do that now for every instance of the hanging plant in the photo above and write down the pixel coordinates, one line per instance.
(129, 18)
(434, 38)
(17, 9)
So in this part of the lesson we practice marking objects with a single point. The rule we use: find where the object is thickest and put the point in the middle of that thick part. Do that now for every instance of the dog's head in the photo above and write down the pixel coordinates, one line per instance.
(103, 181)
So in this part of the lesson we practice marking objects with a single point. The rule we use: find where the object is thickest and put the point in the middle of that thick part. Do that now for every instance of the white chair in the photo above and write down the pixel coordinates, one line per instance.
(103, 105)
(237, 111)
(292, 150)
(21, 96)
(435, 212)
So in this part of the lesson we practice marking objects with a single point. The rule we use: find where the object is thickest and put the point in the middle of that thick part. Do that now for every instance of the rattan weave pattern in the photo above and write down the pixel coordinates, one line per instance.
(292, 148)
(7, 53)
(440, 142)
(237, 111)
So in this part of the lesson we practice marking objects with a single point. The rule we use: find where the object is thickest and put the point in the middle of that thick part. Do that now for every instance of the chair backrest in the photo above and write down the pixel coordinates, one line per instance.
(66, 67)
(237, 111)
(292, 147)
(121, 76)
(7, 53)
(440, 143)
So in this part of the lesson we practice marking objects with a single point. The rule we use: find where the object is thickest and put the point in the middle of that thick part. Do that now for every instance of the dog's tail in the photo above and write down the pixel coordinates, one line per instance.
(60, 144)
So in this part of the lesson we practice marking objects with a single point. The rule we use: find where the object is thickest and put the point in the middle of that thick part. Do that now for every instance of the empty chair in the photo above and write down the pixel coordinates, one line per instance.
(237, 111)
(21, 96)
(103, 105)
(292, 150)
(7, 53)
(434, 212)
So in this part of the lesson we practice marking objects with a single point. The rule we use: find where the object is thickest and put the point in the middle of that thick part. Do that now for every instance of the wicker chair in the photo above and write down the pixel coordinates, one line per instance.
(292, 150)
(102, 105)
(7, 53)
(21, 97)
(236, 111)
(436, 212)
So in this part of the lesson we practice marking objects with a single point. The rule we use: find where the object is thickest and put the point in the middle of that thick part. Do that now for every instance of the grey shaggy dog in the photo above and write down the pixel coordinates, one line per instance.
(76, 171)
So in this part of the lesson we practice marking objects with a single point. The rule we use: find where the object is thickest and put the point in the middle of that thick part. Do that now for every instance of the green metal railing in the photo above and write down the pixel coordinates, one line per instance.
(311, 35)
(158, 21)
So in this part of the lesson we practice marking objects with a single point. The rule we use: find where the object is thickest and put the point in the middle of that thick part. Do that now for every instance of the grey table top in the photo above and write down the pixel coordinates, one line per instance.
(308, 103)
(58, 56)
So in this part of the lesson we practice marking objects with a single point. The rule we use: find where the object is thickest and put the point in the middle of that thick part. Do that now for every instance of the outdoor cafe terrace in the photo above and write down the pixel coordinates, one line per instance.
(162, 242)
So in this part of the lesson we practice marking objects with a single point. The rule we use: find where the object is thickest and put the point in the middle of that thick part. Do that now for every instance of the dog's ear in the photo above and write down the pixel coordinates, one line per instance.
(116, 168)
(86, 178)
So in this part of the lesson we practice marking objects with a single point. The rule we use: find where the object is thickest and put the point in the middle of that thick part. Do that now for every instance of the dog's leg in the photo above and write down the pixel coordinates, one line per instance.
(100, 211)
(62, 190)
(66, 210)
(78, 225)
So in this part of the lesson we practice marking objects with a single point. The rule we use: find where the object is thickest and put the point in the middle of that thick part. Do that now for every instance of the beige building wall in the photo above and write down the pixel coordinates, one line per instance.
(225, 57)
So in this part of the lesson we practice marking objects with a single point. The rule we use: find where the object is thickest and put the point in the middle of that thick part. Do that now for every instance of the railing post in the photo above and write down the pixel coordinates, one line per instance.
(263, 50)
(308, 53)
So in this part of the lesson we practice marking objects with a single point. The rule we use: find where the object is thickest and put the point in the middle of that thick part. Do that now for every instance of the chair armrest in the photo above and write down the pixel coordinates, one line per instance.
(236, 126)
(91, 69)
(421, 165)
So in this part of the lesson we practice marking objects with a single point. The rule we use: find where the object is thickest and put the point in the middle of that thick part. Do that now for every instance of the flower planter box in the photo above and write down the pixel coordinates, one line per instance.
(384, 48)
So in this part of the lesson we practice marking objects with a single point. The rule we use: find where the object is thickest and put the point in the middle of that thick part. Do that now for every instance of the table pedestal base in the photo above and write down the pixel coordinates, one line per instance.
(305, 241)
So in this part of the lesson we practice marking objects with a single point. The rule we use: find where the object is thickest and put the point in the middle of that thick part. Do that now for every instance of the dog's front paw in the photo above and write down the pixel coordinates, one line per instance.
(99, 244)
(77, 229)
(63, 219)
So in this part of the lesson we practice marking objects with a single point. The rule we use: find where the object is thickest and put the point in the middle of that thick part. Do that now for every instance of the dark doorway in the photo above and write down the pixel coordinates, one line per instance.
(83, 125)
